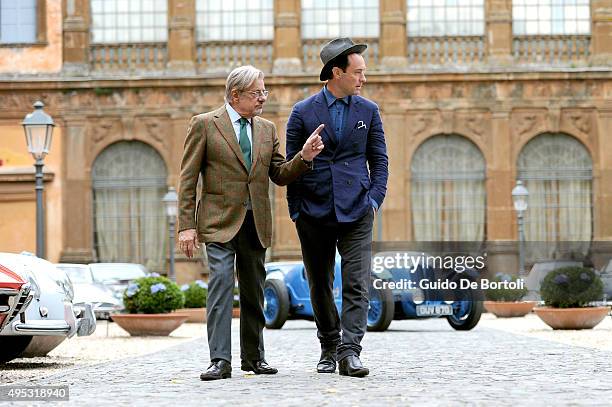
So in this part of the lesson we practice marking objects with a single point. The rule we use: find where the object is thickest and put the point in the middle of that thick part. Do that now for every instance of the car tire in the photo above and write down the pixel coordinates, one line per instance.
(12, 347)
(276, 310)
(381, 309)
(467, 312)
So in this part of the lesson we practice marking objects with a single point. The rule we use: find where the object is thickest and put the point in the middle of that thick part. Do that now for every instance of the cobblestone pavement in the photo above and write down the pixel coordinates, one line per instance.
(414, 363)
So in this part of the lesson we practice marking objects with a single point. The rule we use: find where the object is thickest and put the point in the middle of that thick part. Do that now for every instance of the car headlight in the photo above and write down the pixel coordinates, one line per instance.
(418, 296)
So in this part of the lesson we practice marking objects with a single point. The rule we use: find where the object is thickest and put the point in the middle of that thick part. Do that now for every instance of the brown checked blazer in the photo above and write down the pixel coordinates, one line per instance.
(212, 150)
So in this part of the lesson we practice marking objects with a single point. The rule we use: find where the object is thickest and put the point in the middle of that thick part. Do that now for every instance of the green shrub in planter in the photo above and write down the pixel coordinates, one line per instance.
(571, 287)
(505, 294)
(195, 294)
(153, 295)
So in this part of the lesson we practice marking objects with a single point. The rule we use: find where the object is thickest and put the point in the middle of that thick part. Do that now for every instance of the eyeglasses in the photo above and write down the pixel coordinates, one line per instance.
(258, 93)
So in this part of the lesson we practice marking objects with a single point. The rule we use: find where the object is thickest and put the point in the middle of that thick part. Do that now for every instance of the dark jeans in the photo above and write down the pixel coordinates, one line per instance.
(249, 256)
(319, 239)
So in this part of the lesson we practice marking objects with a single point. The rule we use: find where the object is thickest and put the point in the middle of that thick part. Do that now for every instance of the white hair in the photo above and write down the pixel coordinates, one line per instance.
(241, 79)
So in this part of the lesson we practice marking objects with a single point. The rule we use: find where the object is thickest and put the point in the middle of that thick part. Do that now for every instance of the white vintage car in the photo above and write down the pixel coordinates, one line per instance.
(87, 290)
(41, 314)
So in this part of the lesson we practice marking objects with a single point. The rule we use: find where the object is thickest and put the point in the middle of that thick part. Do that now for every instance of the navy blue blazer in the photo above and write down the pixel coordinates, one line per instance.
(348, 172)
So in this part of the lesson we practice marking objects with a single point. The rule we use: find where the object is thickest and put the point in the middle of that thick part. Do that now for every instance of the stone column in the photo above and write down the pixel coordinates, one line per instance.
(396, 209)
(502, 232)
(181, 36)
(76, 195)
(76, 23)
(603, 199)
(393, 41)
(601, 249)
(285, 241)
(498, 31)
(287, 37)
(601, 39)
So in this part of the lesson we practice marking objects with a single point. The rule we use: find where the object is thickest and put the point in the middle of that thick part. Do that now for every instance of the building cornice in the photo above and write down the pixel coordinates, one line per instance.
(130, 81)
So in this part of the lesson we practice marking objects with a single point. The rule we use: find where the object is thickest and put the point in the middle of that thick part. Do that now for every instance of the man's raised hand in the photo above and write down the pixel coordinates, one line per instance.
(314, 144)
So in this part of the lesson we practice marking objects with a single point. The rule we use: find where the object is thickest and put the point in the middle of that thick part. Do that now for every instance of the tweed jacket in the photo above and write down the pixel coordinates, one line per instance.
(211, 150)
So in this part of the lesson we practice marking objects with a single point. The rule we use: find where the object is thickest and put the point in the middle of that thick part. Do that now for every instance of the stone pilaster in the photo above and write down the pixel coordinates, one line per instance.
(76, 23)
(498, 32)
(601, 37)
(393, 41)
(181, 35)
(76, 195)
(287, 37)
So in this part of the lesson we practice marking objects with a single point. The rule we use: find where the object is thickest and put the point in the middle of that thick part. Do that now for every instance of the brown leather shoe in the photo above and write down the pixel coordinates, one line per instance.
(257, 366)
(218, 369)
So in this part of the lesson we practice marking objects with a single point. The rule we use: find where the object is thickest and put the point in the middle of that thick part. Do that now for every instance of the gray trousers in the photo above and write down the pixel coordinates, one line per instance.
(319, 239)
(246, 252)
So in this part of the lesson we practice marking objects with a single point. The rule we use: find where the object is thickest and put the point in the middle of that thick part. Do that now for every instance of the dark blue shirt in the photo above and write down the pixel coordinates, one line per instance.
(338, 110)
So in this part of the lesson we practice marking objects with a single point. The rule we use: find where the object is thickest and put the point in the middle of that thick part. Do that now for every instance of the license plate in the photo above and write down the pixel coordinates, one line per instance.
(434, 310)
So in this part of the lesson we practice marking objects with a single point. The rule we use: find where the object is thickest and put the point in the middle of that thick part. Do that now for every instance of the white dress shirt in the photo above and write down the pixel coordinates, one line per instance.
(235, 119)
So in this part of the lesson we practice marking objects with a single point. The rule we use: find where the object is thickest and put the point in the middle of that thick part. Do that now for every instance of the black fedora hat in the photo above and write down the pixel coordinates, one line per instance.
(335, 48)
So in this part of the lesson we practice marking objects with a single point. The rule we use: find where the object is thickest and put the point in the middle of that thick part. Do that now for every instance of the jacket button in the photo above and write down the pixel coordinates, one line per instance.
(349, 182)
(245, 203)
(346, 163)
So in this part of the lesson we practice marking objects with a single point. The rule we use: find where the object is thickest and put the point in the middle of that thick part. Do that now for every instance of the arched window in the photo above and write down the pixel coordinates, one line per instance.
(129, 181)
(558, 173)
(448, 190)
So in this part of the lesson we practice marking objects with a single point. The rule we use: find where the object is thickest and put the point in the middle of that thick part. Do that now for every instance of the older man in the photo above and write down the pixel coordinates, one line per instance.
(235, 152)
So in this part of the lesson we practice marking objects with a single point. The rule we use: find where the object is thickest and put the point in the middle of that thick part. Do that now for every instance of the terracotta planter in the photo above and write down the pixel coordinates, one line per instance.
(195, 314)
(509, 309)
(150, 324)
(572, 318)
(235, 312)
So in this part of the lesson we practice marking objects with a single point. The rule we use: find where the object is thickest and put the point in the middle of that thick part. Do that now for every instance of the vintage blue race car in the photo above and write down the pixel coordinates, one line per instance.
(287, 295)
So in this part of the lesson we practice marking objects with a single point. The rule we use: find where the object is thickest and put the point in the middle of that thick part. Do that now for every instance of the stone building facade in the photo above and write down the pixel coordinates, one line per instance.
(465, 116)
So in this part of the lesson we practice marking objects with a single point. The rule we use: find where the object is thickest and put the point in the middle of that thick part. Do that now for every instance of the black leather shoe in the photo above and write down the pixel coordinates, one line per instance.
(351, 366)
(327, 362)
(257, 366)
(218, 369)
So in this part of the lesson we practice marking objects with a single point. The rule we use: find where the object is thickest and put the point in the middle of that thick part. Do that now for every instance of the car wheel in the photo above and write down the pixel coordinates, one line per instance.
(467, 309)
(12, 347)
(381, 309)
(276, 304)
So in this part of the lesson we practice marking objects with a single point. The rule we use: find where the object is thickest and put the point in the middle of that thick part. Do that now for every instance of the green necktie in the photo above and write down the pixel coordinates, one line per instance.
(245, 145)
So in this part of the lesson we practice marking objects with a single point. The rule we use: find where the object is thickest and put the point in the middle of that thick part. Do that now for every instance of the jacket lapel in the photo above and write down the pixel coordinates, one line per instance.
(322, 112)
(257, 137)
(224, 125)
(351, 120)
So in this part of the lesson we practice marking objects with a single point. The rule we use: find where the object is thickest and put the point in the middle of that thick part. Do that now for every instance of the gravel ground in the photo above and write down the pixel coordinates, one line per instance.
(109, 342)
(419, 363)
(599, 337)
